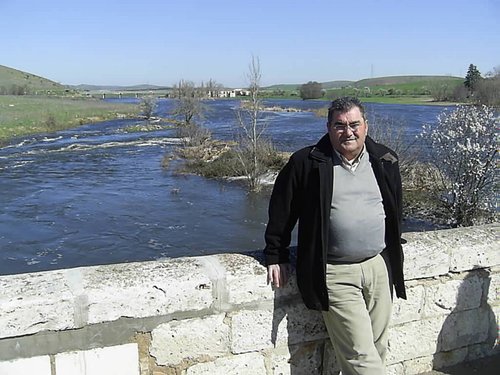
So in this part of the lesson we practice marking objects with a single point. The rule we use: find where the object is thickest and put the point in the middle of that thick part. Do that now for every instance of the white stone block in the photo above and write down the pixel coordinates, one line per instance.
(113, 360)
(190, 339)
(34, 365)
(417, 366)
(279, 361)
(243, 364)
(453, 295)
(411, 308)
(266, 330)
(475, 247)
(426, 255)
(146, 289)
(35, 302)
(493, 291)
(395, 369)
(297, 359)
(246, 280)
(284, 326)
(414, 339)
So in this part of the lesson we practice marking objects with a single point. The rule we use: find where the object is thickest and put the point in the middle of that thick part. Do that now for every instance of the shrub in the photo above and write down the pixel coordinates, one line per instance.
(463, 146)
(147, 106)
(51, 123)
(193, 135)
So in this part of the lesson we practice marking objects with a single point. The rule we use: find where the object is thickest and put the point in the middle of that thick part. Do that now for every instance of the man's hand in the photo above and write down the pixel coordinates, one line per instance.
(277, 274)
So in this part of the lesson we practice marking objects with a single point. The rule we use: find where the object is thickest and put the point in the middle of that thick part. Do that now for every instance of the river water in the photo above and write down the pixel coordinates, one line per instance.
(97, 194)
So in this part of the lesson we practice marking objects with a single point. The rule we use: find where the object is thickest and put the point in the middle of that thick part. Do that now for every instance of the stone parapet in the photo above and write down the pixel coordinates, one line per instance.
(216, 314)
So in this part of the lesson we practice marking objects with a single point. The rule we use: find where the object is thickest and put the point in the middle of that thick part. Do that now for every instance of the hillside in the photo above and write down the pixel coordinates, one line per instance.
(84, 87)
(16, 82)
(296, 86)
(400, 80)
(397, 81)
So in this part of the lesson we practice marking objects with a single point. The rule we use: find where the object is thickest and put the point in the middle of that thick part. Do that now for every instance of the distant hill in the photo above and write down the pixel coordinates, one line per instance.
(325, 85)
(398, 80)
(13, 81)
(336, 84)
(374, 82)
(23, 82)
(283, 86)
(119, 88)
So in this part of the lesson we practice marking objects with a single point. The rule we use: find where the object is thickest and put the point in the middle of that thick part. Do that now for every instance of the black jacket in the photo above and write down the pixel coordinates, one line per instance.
(303, 192)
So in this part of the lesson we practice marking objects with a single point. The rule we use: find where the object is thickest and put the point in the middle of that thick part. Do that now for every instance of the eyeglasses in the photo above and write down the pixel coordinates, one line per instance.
(343, 127)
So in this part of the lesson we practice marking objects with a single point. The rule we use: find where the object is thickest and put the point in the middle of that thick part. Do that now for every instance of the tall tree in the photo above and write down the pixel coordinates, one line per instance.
(472, 78)
(250, 129)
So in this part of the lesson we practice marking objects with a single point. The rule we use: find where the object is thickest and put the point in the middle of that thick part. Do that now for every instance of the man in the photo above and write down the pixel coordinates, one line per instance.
(345, 193)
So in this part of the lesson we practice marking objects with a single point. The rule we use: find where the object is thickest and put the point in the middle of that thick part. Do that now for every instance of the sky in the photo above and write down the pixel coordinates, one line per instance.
(159, 42)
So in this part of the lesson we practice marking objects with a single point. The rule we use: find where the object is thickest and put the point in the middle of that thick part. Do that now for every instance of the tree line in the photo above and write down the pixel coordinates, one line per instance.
(474, 89)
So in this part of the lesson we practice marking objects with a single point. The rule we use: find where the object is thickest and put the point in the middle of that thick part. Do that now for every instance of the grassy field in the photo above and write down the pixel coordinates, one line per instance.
(22, 115)
(404, 99)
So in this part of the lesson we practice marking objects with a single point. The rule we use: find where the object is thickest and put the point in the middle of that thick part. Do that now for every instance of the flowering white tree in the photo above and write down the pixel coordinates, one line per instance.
(463, 146)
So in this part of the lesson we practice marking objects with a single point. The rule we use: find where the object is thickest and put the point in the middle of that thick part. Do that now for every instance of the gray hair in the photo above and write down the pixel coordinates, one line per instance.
(345, 104)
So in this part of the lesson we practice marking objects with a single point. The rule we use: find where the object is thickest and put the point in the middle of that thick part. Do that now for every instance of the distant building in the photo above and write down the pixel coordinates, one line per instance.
(233, 93)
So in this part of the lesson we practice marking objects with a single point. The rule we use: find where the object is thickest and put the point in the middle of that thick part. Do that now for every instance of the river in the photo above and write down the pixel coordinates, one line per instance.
(97, 194)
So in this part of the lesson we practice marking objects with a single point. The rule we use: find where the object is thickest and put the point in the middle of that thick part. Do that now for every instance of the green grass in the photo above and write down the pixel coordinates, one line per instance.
(23, 115)
(403, 99)
(28, 83)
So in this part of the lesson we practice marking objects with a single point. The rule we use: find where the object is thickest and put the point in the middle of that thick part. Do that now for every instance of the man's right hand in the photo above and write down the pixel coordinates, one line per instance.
(277, 274)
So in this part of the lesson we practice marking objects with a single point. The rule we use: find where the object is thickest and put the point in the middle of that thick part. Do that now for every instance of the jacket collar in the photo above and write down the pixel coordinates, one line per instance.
(380, 151)
(323, 150)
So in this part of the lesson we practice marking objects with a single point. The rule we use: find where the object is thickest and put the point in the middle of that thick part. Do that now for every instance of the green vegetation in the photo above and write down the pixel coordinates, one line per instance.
(395, 90)
(217, 159)
(22, 115)
(311, 90)
(404, 89)
(31, 104)
(16, 82)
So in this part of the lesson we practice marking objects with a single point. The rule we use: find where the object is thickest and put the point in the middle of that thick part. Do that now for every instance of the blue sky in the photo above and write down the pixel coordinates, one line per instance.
(159, 42)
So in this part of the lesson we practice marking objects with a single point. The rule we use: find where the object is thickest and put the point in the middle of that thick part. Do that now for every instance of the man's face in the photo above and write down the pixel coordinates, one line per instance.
(344, 139)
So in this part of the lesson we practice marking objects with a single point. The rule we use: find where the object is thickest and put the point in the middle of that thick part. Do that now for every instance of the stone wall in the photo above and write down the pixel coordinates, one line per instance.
(217, 315)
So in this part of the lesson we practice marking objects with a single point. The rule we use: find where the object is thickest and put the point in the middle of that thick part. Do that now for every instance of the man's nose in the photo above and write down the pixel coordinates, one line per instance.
(348, 130)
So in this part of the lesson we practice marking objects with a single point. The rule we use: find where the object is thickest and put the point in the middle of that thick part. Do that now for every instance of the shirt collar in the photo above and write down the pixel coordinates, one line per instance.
(351, 164)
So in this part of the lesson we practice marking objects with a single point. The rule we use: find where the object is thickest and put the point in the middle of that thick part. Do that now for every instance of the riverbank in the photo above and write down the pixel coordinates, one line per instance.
(23, 115)
(389, 99)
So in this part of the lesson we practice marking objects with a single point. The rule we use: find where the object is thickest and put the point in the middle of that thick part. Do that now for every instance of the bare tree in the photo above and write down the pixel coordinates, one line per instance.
(392, 133)
(251, 128)
(190, 107)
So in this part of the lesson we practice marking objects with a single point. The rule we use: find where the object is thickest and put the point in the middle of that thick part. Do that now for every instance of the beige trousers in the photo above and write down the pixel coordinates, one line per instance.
(359, 314)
